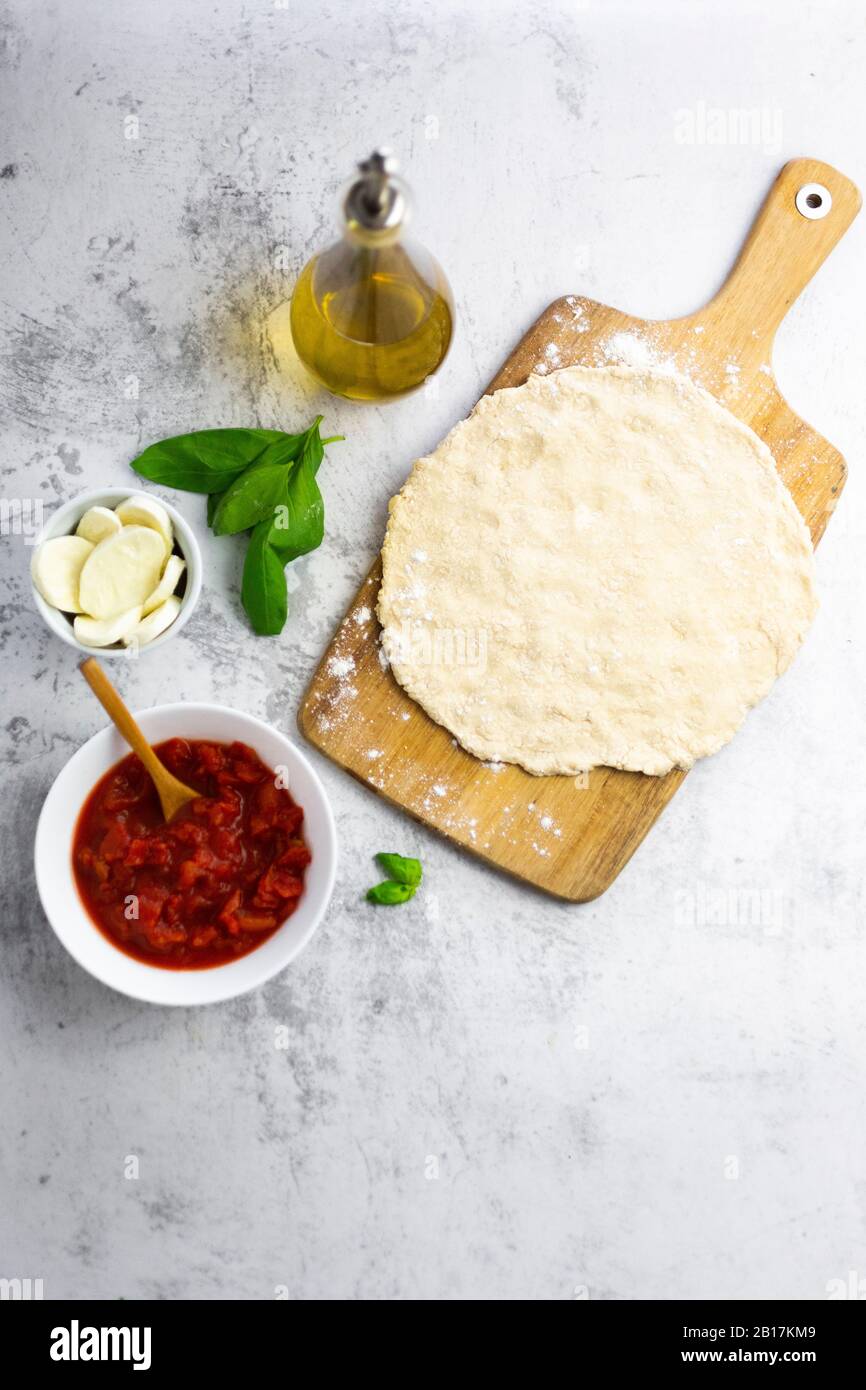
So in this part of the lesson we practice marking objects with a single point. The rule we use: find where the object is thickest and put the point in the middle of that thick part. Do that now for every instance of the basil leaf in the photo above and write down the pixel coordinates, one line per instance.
(314, 449)
(213, 501)
(251, 498)
(299, 520)
(401, 870)
(206, 460)
(389, 893)
(264, 592)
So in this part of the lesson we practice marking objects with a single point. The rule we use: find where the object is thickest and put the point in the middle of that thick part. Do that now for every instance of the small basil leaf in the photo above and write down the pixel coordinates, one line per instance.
(299, 519)
(264, 592)
(390, 893)
(400, 869)
(251, 498)
(314, 449)
(206, 460)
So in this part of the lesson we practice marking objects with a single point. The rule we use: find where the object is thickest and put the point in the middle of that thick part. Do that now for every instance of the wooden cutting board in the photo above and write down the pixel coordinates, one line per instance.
(572, 836)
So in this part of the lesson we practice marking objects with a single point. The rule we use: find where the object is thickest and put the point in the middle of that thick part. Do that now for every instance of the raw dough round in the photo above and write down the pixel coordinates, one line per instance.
(600, 567)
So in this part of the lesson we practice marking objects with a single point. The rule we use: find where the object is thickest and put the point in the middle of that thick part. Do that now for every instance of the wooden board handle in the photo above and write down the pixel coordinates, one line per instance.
(793, 235)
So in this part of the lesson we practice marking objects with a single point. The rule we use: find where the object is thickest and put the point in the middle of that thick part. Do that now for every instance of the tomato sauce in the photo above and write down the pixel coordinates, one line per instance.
(211, 885)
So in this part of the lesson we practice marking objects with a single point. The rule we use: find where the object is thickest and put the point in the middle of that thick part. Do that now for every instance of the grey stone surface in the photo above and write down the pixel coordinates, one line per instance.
(624, 1098)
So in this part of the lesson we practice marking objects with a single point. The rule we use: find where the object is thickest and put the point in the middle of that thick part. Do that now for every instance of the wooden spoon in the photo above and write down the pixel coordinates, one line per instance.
(172, 793)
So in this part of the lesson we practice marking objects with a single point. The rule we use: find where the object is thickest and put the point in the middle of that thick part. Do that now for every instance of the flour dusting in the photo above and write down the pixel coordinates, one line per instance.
(630, 350)
(341, 666)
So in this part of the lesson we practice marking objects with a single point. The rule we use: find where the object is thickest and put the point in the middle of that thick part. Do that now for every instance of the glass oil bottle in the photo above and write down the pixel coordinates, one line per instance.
(372, 316)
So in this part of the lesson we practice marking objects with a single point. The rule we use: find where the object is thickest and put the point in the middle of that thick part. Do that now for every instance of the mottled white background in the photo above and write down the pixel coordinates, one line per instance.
(584, 1076)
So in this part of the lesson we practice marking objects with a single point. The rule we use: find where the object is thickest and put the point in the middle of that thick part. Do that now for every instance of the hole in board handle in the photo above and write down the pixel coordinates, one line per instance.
(814, 201)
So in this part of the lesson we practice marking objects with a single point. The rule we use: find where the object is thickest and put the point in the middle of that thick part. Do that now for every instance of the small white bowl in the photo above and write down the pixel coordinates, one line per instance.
(84, 941)
(63, 522)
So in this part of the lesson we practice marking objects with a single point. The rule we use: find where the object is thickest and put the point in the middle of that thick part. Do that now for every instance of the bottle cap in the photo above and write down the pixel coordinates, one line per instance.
(376, 202)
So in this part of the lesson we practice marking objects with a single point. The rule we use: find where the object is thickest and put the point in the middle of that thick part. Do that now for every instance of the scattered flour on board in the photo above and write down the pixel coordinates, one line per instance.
(339, 700)
(578, 314)
(630, 350)
(621, 349)
(341, 666)
(549, 824)
(550, 362)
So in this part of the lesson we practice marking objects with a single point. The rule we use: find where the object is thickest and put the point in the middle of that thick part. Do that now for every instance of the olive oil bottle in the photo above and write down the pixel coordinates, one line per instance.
(372, 316)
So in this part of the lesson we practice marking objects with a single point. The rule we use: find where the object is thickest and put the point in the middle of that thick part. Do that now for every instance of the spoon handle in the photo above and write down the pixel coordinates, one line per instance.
(121, 717)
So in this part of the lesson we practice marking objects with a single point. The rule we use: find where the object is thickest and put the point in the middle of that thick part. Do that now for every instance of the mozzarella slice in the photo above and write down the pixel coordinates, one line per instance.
(121, 572)
(103, 632)
(174, 568)
(56, 568)
(155, 622)
(97, 523)
(145, 511)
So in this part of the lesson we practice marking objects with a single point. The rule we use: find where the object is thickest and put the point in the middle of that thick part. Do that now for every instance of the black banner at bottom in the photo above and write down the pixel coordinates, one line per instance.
(149, 1338)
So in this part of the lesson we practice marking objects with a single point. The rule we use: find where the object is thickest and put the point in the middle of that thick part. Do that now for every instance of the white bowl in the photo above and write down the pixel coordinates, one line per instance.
(63, 522)
(80, 935)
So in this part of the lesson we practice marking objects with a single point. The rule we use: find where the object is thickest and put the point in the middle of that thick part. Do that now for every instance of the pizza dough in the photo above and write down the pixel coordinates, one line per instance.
(599, 567)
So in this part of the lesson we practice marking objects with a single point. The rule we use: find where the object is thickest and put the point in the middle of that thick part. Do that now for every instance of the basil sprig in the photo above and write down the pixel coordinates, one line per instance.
(404, 877)
(263, 481)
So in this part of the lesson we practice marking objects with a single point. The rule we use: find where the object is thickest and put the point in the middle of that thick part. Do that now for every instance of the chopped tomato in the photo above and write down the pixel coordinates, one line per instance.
(210, 886)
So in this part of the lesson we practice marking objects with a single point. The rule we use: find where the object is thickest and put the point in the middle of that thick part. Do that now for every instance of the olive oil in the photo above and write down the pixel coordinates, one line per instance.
(372, 316)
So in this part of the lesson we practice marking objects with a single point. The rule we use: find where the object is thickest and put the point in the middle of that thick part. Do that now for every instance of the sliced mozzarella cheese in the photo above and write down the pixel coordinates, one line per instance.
(174, 568)
(121, 572)
(103, 632)
(97, 523)
(155, 622)
(56, 568)
(145, 511)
